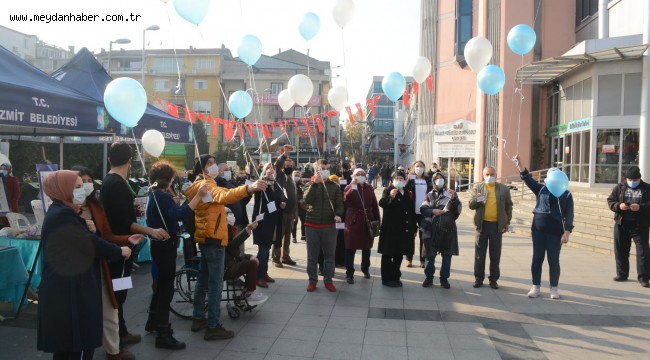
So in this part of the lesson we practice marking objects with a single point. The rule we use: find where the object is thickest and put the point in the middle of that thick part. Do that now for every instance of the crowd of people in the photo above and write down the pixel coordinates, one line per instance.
(88, 240)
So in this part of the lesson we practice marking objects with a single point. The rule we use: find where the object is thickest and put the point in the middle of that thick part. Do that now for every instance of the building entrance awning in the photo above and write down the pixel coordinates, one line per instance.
(547, 70)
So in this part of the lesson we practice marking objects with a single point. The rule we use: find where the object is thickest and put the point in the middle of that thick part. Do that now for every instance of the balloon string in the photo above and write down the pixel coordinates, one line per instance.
(521, 102)
(137, 150)
(345, 66)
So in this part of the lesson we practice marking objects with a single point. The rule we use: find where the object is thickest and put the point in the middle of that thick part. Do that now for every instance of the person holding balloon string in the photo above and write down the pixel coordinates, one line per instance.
(552, 224)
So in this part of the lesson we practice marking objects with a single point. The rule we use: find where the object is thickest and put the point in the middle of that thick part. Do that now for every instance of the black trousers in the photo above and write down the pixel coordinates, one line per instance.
(301, 215)
(349, 261)
(390, 265)
(163, 254)
(489, 237)
(84, 355)
(622, 242)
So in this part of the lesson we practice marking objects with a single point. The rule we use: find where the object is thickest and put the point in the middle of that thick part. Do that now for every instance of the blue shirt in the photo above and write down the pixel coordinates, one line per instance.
(171, 212)
(549, 212)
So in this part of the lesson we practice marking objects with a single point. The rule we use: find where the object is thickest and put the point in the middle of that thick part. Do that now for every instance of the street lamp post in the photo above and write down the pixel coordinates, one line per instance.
(150, 28)
(110, 50)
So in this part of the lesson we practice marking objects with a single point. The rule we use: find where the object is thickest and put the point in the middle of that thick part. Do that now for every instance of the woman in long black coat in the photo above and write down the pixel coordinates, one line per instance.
(419, 185)
(269, 230)
(69, 320)
(398, 228)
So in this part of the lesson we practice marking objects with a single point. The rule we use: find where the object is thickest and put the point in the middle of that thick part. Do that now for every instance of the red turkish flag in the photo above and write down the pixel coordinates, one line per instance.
(283, 129)
(347, 108)
(371, 105)
(273, 125)
(228, 131)
(249, 130)
(213, 121)
(360, 110)
(331, 113)
(416, 88)
(172, 109)
(430, 82)
(319, 122)
(405, 97)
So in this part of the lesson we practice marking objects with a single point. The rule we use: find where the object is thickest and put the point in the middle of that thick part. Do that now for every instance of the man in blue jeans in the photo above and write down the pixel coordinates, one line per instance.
(325, 202)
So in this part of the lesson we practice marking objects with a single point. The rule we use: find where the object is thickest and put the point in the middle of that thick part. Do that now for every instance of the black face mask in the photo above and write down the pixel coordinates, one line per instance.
(288, 170)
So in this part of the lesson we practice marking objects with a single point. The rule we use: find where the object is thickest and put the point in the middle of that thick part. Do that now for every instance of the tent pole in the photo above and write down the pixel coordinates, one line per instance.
(105, 164)
(61, 152)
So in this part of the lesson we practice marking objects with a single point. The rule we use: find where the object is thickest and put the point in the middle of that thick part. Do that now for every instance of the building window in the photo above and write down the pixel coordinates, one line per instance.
(276, 88)
(167, 64)
(203, 63)
(585, 9)
(632, 94)
(201, 106)
(299, 111)
(200, 84)
(161, 85)
(463, 25)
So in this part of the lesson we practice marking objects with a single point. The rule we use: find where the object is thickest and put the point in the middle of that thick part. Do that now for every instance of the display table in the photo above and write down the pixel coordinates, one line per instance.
(27, 249)
(14, 276)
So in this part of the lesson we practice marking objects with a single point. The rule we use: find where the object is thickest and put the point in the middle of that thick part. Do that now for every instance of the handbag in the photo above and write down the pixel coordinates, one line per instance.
(372, 226)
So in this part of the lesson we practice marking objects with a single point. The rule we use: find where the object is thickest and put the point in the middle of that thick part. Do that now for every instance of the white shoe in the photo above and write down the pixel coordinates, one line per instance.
(554, 293)
(256, 298)
(534, 291)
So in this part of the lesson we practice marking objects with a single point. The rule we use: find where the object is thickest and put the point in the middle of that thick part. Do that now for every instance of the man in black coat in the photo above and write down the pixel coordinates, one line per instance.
(630, 202)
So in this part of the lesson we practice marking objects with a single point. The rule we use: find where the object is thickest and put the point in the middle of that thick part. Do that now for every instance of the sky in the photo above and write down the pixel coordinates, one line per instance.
(382, 37)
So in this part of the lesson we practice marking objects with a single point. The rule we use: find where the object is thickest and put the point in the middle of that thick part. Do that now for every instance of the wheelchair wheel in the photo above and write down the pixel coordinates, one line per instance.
(233, 311)
(182, 302)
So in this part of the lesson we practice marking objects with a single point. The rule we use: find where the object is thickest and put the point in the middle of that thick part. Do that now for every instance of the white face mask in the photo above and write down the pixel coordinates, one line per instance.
(88, 188)
(78, 196)
(227, 175)
(490, 179)
(230, 218)
(361, 179)
(419, 171)
(400, 184)
(213, 170)
(440, 182)
(4, 172)
(296, 178)
(325, 174)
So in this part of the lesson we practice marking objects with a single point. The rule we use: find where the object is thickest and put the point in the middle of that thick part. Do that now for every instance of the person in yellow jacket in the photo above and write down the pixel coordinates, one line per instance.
(212, 236)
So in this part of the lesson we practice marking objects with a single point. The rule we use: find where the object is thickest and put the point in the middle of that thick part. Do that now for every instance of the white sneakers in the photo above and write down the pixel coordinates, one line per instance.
(535, 292)
(554, 293)
(256, 298)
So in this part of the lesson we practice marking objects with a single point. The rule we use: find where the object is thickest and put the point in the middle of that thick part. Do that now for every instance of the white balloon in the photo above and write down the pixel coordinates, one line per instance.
(421, 69)
(478, 53)
(284, 100)
(164, 1)
(343, 12)
(300, 88)
(338, 97)
(153, 142)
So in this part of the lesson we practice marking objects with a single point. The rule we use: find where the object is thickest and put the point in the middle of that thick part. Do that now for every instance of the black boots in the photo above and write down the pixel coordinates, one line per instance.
(165, 340)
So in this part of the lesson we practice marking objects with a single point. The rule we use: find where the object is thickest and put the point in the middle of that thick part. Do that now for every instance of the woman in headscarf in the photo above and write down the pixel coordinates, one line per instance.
(69, 320)
(360, 207)
(91, 210)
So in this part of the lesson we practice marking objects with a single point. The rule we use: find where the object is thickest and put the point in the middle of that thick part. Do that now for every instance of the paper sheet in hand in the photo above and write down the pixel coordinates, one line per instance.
(122, 283)
(480, 198)
(260, 217)
(420, 193)
(207, 198)
(353, 186)
(340, 226)
(343, 182)
(271, 207)
(248, 182)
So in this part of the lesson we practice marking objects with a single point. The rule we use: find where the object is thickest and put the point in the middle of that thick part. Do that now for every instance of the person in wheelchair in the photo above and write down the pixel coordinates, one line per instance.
(238, 264)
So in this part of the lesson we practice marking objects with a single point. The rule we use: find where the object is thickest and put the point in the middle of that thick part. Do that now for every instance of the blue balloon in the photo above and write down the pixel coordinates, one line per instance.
(126, 100)
(240, 104)
(193, 11)
(309, 26)
(491, 79)
(521, 39)
(393, 85)
(556, 182)
(250, 49)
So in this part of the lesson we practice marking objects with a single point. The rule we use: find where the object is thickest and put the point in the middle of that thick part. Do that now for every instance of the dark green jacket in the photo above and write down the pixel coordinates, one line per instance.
(504, 205)
(320, 200)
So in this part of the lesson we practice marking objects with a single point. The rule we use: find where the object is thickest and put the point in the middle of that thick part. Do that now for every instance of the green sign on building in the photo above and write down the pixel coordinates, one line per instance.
(570, 127)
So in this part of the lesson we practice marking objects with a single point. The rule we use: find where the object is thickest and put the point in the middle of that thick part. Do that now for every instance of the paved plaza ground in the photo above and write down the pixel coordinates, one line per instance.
(595, 319)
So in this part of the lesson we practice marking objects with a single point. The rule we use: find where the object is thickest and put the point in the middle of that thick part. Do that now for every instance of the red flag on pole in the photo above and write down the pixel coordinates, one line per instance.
(371, 105)
(430, 82)
(347, 108)
(405, 97)
(360, 110)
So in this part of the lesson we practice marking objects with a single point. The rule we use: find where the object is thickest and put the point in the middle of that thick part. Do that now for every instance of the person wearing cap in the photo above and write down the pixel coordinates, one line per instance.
(360, 207)
(12, 186)
(397, 230)
(630, 202)
(551, 227)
